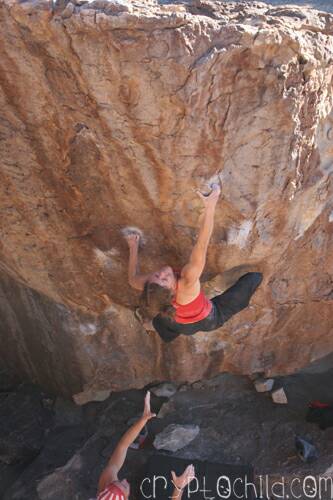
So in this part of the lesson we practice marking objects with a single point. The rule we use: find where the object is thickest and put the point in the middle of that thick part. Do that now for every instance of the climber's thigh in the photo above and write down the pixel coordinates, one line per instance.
(237, 297)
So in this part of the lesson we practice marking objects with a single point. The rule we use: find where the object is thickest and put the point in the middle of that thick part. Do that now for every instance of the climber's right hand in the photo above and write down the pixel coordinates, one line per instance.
(211, 199)
(147, 413)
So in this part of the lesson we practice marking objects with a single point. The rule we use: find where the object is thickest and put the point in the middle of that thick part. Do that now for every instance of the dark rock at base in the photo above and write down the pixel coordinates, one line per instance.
(78, 478)
(9, 475)
(7, 382)
(67, 412)
(23, 425)
(61, 445)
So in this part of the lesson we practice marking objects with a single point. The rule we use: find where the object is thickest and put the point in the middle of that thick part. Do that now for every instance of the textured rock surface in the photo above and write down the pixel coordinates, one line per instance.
(264, 385)
(279, 396)
(176, 437)
(165, 390)
(111, 114)
(23, 423)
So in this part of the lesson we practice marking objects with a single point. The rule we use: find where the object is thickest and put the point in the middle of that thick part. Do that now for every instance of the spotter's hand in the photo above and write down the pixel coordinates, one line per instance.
(181, 481)
(211, 199)
(133, 240)
(147, 413)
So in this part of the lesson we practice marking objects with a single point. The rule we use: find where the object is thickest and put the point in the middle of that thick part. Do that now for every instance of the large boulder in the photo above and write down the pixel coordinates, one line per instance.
(112, 113)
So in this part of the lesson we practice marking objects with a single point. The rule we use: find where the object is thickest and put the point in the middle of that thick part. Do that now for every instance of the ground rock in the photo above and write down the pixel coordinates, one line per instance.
(60, 446)
(264, 385)
(279, 396)
(7, 382)
(67, 413)
(23, 426)
(175, 437)
(166, 408)
(111, 116)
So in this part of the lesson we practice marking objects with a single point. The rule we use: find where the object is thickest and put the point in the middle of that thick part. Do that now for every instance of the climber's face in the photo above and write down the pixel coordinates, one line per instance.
(124, 486)
(164, 277)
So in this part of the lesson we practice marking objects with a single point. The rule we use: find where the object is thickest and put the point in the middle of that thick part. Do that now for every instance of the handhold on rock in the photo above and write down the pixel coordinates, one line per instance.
(264, 385)
(279, 396)
(126, 231)
(210, 186)
(215, 180)
(306, 450)
(165, 390)
(174, 437)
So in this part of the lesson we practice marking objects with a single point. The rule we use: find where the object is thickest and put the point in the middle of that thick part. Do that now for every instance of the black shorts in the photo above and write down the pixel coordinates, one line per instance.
(226, 305)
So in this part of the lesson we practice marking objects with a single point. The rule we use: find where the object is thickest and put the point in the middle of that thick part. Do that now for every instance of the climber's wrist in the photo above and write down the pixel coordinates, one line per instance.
(210, 208)
(133, 247)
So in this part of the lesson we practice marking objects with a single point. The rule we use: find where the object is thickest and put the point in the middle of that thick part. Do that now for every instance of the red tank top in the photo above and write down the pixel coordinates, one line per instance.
(194, 311)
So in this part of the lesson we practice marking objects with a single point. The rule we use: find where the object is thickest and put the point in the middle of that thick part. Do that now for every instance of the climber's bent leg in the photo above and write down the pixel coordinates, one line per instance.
(237, 297)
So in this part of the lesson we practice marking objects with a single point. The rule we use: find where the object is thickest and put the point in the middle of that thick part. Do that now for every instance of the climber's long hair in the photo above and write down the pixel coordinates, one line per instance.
(154, 300)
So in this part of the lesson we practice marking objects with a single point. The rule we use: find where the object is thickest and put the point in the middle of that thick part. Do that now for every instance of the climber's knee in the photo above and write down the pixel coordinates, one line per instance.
(248, 284)
(256, 278)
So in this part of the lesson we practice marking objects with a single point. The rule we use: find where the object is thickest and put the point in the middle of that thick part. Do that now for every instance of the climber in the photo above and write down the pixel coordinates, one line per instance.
(174, 300)
(109, 485)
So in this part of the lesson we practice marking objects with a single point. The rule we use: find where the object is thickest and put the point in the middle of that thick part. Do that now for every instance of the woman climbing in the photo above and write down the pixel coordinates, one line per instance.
(174, 301)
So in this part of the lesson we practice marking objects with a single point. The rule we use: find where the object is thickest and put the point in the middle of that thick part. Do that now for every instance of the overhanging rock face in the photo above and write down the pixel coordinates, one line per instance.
(112, 113)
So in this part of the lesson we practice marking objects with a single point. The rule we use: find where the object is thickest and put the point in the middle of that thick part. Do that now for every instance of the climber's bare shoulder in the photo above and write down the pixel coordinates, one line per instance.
(188, 289)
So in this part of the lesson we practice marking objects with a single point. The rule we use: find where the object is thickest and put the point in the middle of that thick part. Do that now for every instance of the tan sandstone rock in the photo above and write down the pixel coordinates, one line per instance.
(112, 114)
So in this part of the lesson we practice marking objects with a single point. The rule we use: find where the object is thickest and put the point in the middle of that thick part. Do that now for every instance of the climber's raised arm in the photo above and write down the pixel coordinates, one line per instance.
(135, 279)
(192, 271)
(110, 473)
